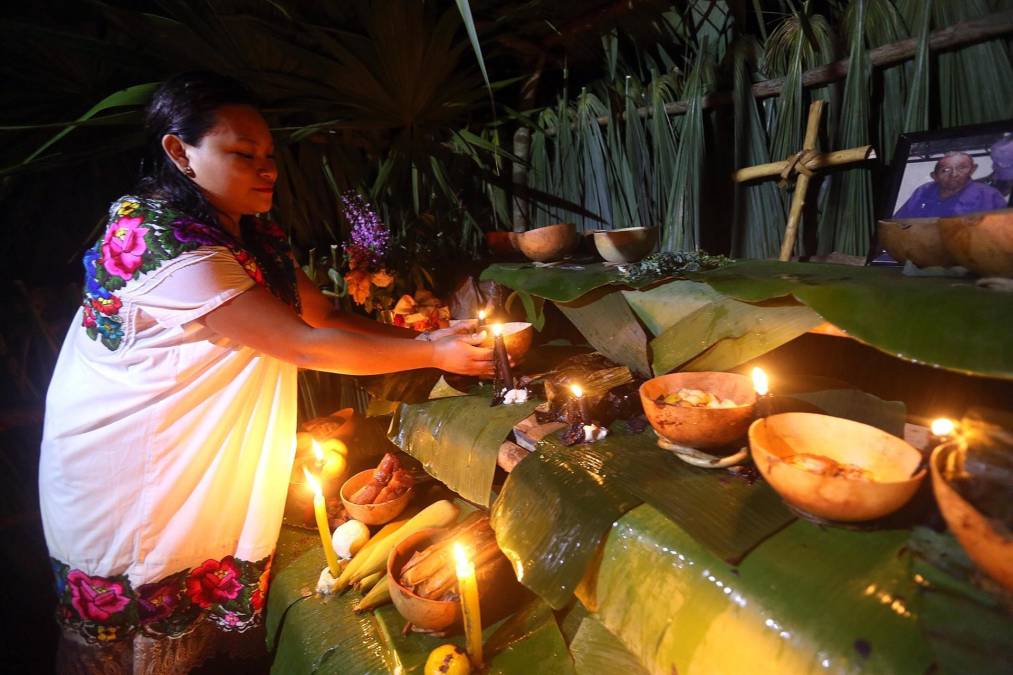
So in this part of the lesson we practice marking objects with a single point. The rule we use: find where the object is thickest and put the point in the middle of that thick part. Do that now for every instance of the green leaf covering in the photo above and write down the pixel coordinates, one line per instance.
(609, 325)
(595, 651)
(949, 323)
(559, 283)
(727, 333)
(457, 439)
(807, 600)
(944, 322)
(311, 633)
(525, 643)
(981, 641)
(558, 503)
(663, 306)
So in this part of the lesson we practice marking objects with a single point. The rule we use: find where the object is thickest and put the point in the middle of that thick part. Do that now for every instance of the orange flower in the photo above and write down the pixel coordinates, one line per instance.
(382, 279)
(358, 286)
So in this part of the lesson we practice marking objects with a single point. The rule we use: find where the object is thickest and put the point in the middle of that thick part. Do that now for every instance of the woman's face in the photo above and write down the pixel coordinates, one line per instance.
(233, 163)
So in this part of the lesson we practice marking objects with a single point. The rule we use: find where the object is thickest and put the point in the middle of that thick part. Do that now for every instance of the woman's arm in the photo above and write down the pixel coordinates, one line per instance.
(319, 312)
(260, 321)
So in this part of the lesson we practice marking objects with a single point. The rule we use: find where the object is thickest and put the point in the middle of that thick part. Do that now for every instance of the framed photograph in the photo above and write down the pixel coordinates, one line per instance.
(949, 172)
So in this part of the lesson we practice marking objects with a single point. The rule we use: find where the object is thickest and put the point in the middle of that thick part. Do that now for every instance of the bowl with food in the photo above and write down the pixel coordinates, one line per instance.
(706, 410)
(422, 580)
(377, 496)
(517, 335)
(977, 513)
(834, 468)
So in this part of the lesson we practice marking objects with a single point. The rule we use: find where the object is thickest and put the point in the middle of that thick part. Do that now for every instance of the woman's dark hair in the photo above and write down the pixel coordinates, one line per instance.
(185, 105)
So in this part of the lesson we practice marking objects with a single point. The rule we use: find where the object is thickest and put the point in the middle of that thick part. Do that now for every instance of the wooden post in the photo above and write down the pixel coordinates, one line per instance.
(812, 131)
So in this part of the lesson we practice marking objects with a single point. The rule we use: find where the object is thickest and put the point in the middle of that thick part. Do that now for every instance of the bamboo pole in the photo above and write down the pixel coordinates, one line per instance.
(815, 163)
(961, 34)
(802, 185)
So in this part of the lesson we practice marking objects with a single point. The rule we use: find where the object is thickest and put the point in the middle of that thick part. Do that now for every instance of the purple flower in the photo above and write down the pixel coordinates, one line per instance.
(369, 237)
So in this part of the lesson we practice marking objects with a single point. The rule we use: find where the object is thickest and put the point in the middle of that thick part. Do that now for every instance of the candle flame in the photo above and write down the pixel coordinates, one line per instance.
(481, 315)
(497, 329)
(943, 427)
(760, 383)
(318, 451)
(464, 566)
(312, 482)
(577, 391)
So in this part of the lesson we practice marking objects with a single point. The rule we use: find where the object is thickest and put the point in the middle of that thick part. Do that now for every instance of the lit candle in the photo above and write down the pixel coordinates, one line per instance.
(481, 318)
(330, 464)
(320, 511)
(581, 402)
(501, 359)
(760, 384)
(470, 612)
(943, 428)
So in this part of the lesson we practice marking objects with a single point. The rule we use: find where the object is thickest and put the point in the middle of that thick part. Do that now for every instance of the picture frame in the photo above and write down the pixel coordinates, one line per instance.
(948, 172)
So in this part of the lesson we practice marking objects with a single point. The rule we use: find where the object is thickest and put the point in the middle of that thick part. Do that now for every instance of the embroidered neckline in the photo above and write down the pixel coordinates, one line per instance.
(144, 233)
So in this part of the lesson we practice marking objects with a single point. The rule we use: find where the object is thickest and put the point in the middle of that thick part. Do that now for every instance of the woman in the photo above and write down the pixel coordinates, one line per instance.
(170, 420)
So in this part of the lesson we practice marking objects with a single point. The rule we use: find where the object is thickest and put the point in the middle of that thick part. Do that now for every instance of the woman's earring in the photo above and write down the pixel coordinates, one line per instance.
(188, 170)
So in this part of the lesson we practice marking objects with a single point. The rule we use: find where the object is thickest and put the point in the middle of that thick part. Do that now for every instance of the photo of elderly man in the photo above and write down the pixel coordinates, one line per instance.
(952, 191)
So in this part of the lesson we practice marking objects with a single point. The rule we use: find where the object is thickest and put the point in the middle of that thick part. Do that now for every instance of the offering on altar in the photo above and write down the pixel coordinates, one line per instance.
(349, 537)
(376, 496)
(696, 398)
(423, 575)
(422, 312)
(700, 424)
(608, 392)
(834, 468)
(448, 660)
(972, 478)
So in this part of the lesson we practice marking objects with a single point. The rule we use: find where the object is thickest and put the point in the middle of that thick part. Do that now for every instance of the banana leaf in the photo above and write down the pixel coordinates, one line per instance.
(527, 642)
(942, 322)
(727, 333)
(457, 439)
(559, 283)
(311, 633)
(807, 600)
(595, 650)
(982, 640)
(664, 306)
(607, 323)
(408, 386)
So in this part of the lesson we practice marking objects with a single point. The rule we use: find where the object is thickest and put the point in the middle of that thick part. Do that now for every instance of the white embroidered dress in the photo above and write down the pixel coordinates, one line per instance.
(165, 461)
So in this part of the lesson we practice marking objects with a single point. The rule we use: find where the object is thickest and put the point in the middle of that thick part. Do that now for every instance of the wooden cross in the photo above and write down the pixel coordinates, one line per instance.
(805, 163)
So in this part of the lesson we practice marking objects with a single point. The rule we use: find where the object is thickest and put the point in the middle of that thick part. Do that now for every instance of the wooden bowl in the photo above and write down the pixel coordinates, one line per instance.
(915, 239)
(989, 548)
(517, 335)
(981, 242)
(371, 514)
(548, 243)
(499, 594)
(701, 428)
(889, 459)
(626, 245)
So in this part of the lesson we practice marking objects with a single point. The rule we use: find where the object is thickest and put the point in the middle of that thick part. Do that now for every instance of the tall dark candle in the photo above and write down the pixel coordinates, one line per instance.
(500, 358)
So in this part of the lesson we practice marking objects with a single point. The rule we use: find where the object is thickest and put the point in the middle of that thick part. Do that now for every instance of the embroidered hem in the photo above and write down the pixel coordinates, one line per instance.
(229, 593)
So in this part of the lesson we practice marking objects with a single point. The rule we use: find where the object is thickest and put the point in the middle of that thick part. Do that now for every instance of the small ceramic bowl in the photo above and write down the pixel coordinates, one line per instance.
(700, 428)
(626, 245)
(981, 242)
(989, 548)
(548, 243)
(892, 463)
(915, 239)
(371, 514)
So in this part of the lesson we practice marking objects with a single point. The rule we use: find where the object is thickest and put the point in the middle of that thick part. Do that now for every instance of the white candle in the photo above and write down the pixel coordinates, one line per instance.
(470, 612)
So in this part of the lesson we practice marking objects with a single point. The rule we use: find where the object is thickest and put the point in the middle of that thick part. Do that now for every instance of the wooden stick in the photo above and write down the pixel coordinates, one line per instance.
(802, 184)
(958, 35)
(820, 161)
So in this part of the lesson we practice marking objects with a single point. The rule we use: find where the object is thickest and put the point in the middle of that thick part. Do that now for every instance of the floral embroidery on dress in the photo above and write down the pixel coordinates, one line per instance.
(229, 592)
(144, 233)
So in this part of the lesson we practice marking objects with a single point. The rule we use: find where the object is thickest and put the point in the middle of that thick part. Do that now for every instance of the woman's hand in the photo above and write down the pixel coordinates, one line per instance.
(459, 354)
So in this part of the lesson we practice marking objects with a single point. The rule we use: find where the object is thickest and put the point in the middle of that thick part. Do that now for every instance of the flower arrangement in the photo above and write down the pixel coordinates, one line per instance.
(369, 257)
(367, 280)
